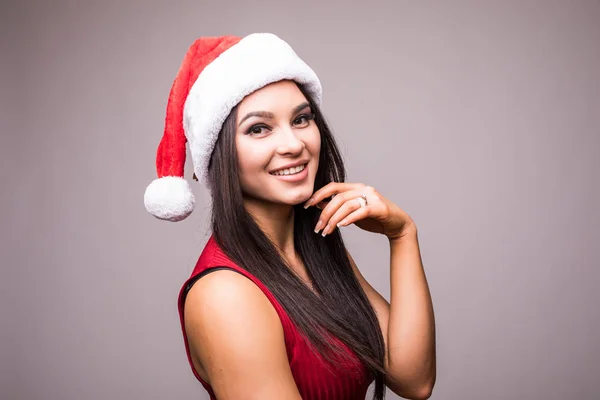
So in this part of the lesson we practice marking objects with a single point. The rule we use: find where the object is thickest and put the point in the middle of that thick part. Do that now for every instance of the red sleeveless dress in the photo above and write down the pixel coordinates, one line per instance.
(313, 379)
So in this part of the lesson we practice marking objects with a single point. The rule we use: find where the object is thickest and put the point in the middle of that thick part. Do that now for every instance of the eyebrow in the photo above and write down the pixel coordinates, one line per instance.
(266, 114)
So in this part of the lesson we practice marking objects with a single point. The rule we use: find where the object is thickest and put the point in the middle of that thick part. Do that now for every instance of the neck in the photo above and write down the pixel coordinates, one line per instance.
(277, 222)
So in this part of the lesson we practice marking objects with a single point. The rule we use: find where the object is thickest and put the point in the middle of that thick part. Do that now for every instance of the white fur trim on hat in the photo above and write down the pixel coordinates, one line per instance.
(169, 198)
(255, 61)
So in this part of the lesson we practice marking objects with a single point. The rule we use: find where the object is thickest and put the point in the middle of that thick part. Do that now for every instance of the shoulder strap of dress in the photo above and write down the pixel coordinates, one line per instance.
(213, 259)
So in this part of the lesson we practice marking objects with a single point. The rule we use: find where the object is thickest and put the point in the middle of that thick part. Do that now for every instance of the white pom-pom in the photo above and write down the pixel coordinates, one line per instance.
(169, 198)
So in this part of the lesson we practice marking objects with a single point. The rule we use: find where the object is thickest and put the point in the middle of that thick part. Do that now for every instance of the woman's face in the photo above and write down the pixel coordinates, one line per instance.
(275, 129)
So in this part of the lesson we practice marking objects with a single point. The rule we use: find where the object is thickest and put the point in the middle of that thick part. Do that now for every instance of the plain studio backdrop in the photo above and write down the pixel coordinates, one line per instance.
(479, 118)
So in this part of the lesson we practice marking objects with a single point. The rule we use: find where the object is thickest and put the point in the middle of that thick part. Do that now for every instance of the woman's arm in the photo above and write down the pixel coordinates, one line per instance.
(236, 334)
(407, 323)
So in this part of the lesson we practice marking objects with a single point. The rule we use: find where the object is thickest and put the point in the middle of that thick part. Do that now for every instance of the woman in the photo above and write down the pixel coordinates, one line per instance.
(273, 310)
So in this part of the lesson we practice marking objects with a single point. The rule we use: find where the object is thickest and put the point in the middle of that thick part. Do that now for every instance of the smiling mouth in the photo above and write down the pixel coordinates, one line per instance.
(289, 171)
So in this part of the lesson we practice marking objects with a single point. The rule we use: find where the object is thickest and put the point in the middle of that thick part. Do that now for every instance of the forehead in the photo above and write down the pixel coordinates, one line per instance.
(274, 97)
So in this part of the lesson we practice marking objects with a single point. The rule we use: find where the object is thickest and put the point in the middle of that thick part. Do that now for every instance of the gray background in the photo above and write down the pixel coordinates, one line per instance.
(480, 119)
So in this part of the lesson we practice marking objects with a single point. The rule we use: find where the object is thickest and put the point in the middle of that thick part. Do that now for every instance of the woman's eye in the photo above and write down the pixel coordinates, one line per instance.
(256, 130)
(304, 118)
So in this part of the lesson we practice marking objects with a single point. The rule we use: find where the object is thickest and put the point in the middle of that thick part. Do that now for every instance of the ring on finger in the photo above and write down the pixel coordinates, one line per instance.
(362, 200)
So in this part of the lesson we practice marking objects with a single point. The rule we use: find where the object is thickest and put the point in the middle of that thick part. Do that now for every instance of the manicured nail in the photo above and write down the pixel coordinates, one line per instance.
(319, 226)
(325, 230)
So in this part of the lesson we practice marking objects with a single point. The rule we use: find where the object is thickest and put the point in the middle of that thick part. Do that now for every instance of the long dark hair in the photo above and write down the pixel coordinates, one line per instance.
(342, 307)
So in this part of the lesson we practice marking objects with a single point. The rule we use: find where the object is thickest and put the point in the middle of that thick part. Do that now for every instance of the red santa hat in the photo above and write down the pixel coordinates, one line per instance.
(216, 74)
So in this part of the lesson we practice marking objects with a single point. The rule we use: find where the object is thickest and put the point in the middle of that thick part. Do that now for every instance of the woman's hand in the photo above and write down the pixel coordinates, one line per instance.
(379, 215)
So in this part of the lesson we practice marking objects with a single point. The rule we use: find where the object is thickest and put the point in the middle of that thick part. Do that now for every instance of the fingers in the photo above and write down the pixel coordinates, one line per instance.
(357, 215)
(337, 209)
(349, 212)
(331, 189)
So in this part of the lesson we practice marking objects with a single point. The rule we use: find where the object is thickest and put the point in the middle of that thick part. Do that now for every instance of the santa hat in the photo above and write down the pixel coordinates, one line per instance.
(216, 74)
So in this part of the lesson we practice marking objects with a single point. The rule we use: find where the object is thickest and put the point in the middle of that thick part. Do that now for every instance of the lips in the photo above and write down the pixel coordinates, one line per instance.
(294, 177)
(287, 166)
(291, 171)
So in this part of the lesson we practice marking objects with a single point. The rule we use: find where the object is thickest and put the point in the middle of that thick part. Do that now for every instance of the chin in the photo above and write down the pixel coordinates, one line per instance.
(292, 199)
(297, 199)
(270, 192)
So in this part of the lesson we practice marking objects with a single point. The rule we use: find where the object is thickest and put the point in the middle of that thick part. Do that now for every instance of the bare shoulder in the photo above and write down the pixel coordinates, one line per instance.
(238, 337)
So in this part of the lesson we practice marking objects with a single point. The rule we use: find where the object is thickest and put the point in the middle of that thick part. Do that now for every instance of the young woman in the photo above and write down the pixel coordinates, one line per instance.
(276, 308)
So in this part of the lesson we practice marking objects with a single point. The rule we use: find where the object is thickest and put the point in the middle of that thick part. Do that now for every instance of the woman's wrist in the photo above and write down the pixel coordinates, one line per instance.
(409, 232)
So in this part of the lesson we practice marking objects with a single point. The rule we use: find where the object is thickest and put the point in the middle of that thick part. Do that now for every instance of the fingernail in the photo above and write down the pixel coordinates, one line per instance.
(309, 202)
(325, 230)
(319, 226)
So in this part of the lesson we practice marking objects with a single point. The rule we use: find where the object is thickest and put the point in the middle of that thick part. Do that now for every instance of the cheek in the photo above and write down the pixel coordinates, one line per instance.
(247, 168)
(251, 159)
(314, 145)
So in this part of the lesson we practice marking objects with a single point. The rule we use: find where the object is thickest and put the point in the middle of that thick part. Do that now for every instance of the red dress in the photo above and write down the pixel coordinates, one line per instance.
(313, 379)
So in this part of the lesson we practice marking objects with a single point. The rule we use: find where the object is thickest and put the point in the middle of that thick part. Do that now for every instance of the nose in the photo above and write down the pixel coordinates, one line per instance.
(289, 142)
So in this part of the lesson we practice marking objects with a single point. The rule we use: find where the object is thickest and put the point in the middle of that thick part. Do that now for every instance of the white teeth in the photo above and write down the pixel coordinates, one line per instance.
(289, 171)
